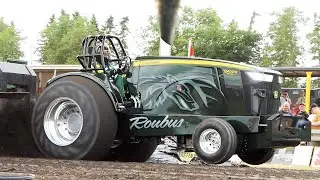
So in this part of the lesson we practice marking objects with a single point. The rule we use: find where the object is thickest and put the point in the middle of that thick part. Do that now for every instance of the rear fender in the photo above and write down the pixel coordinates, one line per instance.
(105, 85)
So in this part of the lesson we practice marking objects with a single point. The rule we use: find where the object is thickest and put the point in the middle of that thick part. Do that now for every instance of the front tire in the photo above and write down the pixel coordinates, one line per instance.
(257, 157)
(133, 152)
(74, 118)
(214, 141)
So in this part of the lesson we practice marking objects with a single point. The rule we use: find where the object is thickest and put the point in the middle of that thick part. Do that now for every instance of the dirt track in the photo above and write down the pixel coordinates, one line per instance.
(159, 169)
(59, 169)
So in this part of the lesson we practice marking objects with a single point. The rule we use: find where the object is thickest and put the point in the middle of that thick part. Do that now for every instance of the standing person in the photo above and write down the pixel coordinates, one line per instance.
(302, 98)
(285, 98)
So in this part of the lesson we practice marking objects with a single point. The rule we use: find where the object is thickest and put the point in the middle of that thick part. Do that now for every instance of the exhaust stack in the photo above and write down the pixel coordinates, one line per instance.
(167, 15)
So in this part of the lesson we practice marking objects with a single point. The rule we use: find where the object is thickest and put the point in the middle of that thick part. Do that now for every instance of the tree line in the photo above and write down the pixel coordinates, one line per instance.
(212, 38)
(61, 39)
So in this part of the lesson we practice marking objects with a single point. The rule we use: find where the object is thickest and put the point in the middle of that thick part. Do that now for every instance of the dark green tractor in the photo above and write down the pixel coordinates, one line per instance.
(118, 109)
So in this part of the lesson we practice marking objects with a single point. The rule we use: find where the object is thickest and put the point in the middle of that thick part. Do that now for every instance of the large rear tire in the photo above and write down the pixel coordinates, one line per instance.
(74, 118)
(133, 152)
(214, 141)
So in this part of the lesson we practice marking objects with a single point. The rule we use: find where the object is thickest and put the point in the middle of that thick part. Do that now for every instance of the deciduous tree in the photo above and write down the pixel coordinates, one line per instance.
(62, 37)
(10, 40)
(211, 39)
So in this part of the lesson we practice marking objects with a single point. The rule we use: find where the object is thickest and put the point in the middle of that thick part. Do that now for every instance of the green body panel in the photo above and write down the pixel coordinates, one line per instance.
(201, 87)
(257, 131)
(279, 132)
(179, 124)
(177, 94)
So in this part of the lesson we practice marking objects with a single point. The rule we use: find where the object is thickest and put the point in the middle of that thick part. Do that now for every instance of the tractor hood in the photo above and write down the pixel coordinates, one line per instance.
(161, 60)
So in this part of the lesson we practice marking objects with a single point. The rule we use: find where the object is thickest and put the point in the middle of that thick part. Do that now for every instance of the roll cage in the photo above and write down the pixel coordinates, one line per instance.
(92, 57)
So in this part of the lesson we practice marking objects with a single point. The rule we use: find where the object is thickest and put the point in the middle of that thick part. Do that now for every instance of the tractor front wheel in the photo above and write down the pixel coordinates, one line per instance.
(257, 157)
(74, 118)
(214, 141)
(133, 151)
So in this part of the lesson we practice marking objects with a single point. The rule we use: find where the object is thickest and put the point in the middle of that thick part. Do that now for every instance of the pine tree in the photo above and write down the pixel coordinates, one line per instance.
(94, 22)
(108, 27)
(124, 31)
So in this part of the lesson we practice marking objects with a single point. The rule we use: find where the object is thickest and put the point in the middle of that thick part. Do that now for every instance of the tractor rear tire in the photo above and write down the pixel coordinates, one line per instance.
(92, 120)
(133, 152)
(257, 157)
(214, 141)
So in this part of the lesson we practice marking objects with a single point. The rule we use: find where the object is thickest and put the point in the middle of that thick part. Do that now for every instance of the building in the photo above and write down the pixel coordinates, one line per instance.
(45, 72)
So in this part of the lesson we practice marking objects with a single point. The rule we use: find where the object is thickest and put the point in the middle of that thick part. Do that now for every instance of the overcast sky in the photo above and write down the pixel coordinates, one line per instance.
(31, 16)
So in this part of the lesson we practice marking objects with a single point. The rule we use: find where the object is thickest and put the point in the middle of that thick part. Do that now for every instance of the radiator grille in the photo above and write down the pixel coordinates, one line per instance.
(271, 104)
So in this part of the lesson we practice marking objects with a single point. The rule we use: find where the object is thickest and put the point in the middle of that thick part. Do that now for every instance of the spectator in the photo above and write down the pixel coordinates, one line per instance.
(302, 98)
(285, 109)
(302, 111)
(315, 120)
(295, 109)
(285, 98)
(317, 100)
(312, 112)
(313, 105)
(306, 118)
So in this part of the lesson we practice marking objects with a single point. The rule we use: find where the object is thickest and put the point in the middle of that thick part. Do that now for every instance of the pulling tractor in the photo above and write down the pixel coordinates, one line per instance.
(118, 109)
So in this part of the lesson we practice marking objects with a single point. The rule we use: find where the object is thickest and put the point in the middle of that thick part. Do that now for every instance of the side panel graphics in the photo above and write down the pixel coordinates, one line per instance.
(193, 92)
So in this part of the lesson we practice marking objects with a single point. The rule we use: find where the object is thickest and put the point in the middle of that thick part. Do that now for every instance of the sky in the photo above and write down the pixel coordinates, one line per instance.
(31, 16)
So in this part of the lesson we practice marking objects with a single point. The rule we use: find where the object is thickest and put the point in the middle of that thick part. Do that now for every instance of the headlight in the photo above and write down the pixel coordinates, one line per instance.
(256, 76)
(280, 79)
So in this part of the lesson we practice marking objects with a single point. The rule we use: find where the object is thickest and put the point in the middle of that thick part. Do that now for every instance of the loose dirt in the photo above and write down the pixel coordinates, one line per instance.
(63, 169)
(22, 157)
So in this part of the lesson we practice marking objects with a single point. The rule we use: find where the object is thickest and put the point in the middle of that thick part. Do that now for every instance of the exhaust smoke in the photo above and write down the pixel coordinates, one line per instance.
(167, 15)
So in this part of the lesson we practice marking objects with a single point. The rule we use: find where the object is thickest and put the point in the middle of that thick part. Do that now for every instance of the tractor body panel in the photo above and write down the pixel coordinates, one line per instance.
(203, 87)
(179, 124)
(179, 93)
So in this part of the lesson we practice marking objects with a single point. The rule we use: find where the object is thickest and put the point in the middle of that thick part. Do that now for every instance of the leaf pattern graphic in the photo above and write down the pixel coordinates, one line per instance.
(184, 100)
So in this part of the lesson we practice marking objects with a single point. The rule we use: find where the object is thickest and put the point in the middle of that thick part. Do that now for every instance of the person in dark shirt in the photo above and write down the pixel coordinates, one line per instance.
(302, 112)
(317, 100)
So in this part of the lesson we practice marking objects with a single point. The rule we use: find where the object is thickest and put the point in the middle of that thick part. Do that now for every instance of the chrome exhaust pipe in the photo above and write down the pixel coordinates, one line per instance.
(167, 16)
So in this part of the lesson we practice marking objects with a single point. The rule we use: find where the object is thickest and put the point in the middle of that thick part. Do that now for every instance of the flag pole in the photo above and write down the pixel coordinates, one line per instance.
(190, 49)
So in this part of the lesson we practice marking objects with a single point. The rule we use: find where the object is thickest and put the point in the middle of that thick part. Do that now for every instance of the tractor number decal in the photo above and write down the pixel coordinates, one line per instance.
(144, 122)
(177, 90)
(230, 72)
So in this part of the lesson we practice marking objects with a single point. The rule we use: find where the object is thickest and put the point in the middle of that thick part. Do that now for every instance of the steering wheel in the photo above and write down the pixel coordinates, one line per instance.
(125, 61)
(124, 65)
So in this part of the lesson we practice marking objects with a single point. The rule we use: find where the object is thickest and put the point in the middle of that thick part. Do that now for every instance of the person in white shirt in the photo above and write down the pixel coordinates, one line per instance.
(285, 98)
